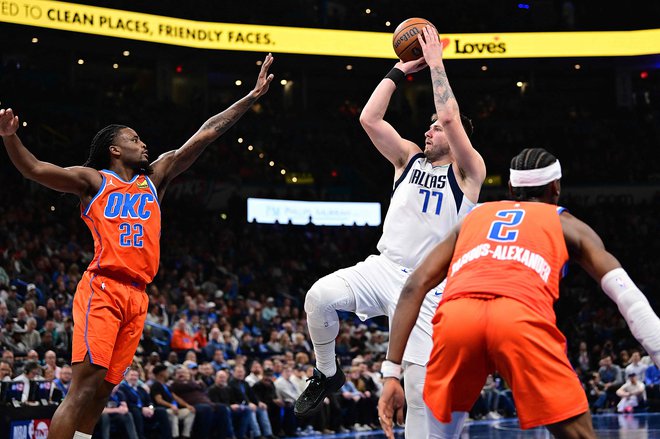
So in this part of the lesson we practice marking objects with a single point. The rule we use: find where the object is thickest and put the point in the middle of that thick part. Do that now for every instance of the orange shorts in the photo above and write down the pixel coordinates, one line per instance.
(108, 317)
(473, 337)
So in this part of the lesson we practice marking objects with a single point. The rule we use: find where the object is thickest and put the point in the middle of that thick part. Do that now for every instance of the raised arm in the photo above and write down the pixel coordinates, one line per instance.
(586, 248)
(429, 274)
(173, 163)
(470, 162)
(384, 137)
(78, 180)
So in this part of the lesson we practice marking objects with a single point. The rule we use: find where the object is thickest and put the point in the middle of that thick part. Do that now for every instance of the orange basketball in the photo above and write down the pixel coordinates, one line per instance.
(405, 42)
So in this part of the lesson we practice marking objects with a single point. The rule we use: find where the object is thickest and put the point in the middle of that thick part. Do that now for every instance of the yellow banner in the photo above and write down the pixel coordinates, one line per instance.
(244, 37)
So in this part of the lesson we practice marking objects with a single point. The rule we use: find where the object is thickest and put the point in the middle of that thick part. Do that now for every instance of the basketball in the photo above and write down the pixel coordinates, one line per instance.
(405, 43)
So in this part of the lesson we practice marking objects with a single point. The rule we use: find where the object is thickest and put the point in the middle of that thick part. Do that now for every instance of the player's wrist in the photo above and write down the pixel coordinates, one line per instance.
(395, 75)
(390, 369)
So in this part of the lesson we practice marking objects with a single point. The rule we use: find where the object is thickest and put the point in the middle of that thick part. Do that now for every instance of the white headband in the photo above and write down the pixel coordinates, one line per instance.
(535, 177)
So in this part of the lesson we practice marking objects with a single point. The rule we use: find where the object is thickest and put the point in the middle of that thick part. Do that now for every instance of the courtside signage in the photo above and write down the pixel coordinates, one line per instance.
(319, 213)
(226, 36)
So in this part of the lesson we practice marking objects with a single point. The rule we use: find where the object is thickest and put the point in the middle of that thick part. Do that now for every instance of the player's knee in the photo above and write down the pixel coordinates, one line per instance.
(328, 294)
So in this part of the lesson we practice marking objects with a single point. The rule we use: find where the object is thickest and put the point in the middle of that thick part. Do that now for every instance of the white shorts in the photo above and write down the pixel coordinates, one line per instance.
(377, 283)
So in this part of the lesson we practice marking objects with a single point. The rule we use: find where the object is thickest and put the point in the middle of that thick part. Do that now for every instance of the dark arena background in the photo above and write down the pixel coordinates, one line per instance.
(237, 286)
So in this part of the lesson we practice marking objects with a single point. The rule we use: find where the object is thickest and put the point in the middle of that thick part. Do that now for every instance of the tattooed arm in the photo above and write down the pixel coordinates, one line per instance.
(471, 165)
(173, 163)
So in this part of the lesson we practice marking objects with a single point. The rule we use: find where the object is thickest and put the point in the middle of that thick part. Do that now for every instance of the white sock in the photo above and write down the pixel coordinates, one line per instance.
(81, 435)
(325, 358)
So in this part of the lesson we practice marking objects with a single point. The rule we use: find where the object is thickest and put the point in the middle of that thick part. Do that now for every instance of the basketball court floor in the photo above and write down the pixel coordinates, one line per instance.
(609, 426)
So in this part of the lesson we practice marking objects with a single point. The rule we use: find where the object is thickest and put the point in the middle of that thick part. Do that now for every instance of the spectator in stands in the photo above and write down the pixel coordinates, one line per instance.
(582, 361)
(636, 366)
(4, 312)
(206, 374)
(50, 363)
(355, 403)
(595, 390)
(220, 393)
(146, 416)
(12, 300)
(64, 381)
(611, 377)
(178, 410)
(269, 311)
(652, 383)
(31, 338)
(215, 343)
(256, 373)
(182, 340)
(5, 371)
(265, 391)
(209, 416)
(631, 394)
(288, 393)
(243, 395)
(32, 356)
(116, 412)
(31, 372)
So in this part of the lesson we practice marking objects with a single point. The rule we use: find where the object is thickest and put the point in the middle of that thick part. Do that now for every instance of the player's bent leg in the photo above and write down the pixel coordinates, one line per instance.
(327, 295)
(577, 427)
(448, 430)
(83, 405)
(413, 380)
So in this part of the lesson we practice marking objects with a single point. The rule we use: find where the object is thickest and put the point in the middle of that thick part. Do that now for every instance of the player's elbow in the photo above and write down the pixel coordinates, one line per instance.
(368, 119)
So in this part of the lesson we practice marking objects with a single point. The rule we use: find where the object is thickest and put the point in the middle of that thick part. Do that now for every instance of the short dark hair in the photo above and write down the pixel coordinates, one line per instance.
(531, 158)
(159, 368)
(468, 126)
(30, 366)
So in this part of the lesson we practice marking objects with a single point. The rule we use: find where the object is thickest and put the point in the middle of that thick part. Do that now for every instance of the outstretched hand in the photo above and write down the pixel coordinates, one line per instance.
(8, 122)
(431, 45)
(413, 66)
(390, 405)
(264, 79)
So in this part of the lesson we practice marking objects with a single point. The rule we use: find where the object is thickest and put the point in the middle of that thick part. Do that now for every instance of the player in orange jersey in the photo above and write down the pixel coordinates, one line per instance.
(119, 194)
(503, 266)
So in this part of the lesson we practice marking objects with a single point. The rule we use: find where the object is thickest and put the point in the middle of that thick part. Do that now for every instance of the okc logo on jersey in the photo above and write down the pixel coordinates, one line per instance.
(129, 205)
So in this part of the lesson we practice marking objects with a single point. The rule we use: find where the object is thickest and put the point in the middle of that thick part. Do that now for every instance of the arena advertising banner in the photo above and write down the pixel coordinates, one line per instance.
(319, 213)
(29, 429)
(242, 37)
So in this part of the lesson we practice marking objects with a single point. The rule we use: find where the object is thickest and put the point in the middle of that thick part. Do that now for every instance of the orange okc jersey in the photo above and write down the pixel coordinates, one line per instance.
(124, 218)
(512, 249)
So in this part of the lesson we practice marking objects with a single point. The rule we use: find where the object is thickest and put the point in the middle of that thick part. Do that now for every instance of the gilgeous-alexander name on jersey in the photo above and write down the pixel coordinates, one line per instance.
(513, 249)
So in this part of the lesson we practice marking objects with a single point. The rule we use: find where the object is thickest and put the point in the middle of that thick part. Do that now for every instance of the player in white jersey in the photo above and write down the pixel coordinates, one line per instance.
(432, 190)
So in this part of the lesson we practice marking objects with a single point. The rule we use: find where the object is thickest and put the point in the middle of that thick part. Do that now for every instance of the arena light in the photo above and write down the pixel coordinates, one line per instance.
(577, 66)
(644, 75)
(349, 67)
(367, 11)
(284, 82)
(260, 62)
(320, 213)
(240, 140)
(388, 24)
(81, 61)
(250, 147)
(126, 53)
(115, 66)
(238, 82)
(484, 68)
(35, 40)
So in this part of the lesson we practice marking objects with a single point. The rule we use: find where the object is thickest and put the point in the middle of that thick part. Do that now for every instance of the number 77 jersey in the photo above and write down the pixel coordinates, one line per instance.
(511, 249)
(124, 218)
(426, 204)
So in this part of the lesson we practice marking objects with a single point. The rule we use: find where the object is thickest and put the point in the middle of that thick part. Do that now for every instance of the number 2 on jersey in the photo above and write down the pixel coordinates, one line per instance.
(427, 195)
(125, 238)
(503, 231)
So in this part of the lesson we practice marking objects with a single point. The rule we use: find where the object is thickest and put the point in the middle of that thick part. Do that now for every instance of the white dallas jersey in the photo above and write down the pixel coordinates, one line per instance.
(426, 203)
